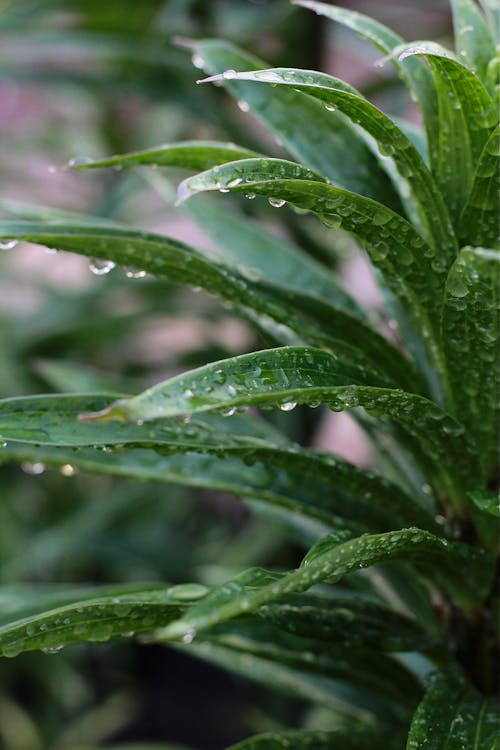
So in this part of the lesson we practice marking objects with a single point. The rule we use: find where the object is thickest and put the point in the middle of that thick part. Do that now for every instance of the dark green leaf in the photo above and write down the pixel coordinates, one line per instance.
(313, 484)
(289, 375)
(480, 220)
(414, 180)
(453, 715)
(349, 739)
(412, 71)
(488, 502)
(466, 116)
(471, 345)
(94, 617)
(343, 158)
(473, 38)
(334, 559)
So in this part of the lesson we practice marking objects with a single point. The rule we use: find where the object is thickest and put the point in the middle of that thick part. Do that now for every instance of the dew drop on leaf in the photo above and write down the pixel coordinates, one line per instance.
(229, 74)
(276, 202)
(34, 469)
(288, 405)
(101, 267)
(7, 244)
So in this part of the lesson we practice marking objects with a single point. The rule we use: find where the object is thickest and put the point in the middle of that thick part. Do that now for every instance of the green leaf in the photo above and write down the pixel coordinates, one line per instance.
(466, 116)
(454, 715)
(334, 560)
(93, 617)
(289, 375)
(343, 157)
(414, 177)
(307, 482)
(471, 345)
(194, 155)
(347, 621)
(480, 220)
(473, 38)
(312, 318)
(411, 71)
(488, 502)
(391, 242)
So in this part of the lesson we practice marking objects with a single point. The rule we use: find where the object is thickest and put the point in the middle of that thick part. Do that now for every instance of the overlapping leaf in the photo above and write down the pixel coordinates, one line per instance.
(256, 463)
(480, 220)
(290, 375)
(415, 181)
(350, 739)
(330, 560)
(412, 72)
(473, 38)
(466, 116)
(454, 715)
(313, 319)
(471, 341)
(343, 157)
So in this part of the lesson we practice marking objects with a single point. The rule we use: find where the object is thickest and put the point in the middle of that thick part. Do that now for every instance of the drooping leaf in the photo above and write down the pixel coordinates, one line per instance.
(330, 560)
(473, 38)
(310, 483)
(454, 715)
(466, 116)
(392, 243)
(165, 257)
(290, 375)
(480, 220)
(471, 344)
(343, 158)
(193, 155)
(411, 71)
(93, 617)
(415, 182)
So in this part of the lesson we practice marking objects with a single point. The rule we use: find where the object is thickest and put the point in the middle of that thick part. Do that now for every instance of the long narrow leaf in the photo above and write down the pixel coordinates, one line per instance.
(415, 180)
(466, 116)
(331, 562)
(471, 344)
(480, 220)
(344, 158)
(412, 72)
(473, 38)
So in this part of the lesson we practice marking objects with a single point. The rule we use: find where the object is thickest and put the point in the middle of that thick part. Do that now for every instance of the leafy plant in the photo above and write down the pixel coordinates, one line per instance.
(390, 620)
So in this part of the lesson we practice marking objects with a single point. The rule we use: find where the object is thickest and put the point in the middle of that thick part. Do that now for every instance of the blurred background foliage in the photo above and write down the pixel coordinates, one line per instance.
(90, 78)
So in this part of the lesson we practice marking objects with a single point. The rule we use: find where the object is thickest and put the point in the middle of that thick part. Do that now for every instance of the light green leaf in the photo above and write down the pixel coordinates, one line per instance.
(312, 318)
(335, 559)
(488, 502)
(411, 71)
(93, 617)
(473, 38)
(466, 116)
(480, 220)
(471, 345)
(343, 158)
(415, 182)
(255, 465)
(194, 155)
(454, 715)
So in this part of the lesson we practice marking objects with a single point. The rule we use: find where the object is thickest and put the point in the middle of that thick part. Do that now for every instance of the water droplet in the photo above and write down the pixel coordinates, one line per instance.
(288, 405)
(101, 267)
(67, 470)
(243, 105)
(133, 273)
(330, 107)
(223, 190)
(229, 74)
(198, 61)
(231, 391)
(3, 443)
(189, 636)
(188, 393)
(276, 202)
(79, 161)
(235, 182)
(34, 469)
(52, 649)
(8, 244)
(229, 412)
(250, 196)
